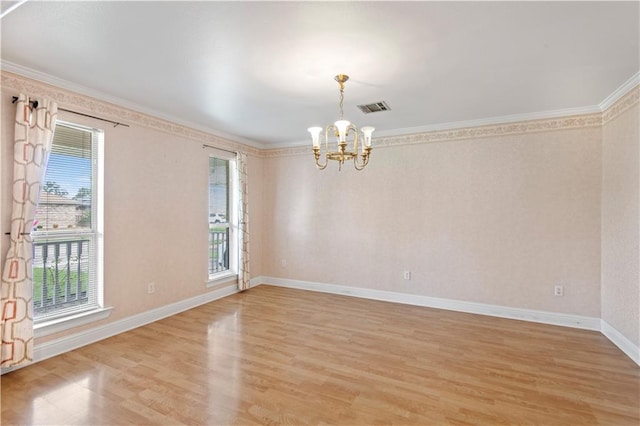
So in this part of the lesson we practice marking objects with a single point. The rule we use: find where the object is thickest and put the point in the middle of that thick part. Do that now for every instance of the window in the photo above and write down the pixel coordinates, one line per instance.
(222, 245)
(67, 228)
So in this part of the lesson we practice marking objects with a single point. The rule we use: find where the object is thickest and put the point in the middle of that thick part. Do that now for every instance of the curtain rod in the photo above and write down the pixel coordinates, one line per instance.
(220, 149)
(34, 104)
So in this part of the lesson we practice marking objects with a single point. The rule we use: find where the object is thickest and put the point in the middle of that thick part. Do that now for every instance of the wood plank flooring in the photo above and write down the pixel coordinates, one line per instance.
(280, 356)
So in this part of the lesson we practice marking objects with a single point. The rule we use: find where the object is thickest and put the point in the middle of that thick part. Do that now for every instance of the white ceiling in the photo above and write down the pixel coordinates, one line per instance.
(263, 71)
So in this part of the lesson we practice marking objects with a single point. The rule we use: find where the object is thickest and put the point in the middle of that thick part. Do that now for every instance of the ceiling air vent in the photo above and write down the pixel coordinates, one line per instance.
(374, 107)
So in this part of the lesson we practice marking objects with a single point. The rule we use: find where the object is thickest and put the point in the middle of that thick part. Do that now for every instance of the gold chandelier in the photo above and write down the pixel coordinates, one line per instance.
(346, 133)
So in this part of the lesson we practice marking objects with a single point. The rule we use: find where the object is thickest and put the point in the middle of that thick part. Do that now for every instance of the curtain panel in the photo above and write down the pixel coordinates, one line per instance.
(32, 144)
(243, 213)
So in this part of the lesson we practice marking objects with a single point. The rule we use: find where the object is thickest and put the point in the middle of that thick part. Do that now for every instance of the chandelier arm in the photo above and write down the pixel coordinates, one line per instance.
(316, 153)
(365, 159)
(322, 166)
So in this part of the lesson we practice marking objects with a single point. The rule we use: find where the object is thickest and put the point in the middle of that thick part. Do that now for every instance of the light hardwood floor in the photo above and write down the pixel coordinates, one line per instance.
(282, 356)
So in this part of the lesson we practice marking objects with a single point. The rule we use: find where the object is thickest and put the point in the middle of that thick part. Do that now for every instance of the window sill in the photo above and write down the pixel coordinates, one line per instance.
(223, 278)
(61, 324)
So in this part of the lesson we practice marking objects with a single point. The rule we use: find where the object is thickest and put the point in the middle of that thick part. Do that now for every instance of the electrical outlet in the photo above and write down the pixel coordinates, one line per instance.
(407, 275)
(151, 288)
(558, 290)
(283, 262)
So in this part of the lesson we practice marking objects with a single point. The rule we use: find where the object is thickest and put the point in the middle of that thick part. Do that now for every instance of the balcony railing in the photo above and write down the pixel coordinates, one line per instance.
(218, 250)
(60, 274)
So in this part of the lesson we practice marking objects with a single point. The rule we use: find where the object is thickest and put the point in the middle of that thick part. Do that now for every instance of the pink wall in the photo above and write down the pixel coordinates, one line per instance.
(497, 220)
(620, 219)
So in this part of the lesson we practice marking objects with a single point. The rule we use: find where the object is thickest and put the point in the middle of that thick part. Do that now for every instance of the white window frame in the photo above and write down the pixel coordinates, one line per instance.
(233, 197)
(57, 323)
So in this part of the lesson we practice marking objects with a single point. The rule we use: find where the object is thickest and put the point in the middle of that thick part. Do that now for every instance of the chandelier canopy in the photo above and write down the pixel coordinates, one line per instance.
(345, 133)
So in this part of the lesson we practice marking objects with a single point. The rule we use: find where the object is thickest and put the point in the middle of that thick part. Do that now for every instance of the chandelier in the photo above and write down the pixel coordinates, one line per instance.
(346, 133)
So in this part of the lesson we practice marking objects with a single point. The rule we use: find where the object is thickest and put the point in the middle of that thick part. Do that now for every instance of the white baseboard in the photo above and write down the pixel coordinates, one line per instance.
(567, 320)
(625, 345)
(92, 335)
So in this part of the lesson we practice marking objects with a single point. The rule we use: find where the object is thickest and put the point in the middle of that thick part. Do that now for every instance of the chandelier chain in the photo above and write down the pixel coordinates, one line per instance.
(341, 101)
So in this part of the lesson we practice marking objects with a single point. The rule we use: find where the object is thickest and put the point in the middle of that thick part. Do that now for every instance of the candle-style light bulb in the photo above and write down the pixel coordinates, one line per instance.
(367, 132)
(342, 129)
(315, 136)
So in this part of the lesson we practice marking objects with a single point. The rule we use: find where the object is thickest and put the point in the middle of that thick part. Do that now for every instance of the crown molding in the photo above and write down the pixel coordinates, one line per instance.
(506, 129)
(7, 9)
(620, 92)
(119, 103)
(628, 100)
(492, 121)
(472, 132)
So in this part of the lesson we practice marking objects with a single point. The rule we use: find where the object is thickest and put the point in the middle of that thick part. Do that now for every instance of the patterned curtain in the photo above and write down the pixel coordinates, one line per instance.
(243, 261)
(33, 136)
